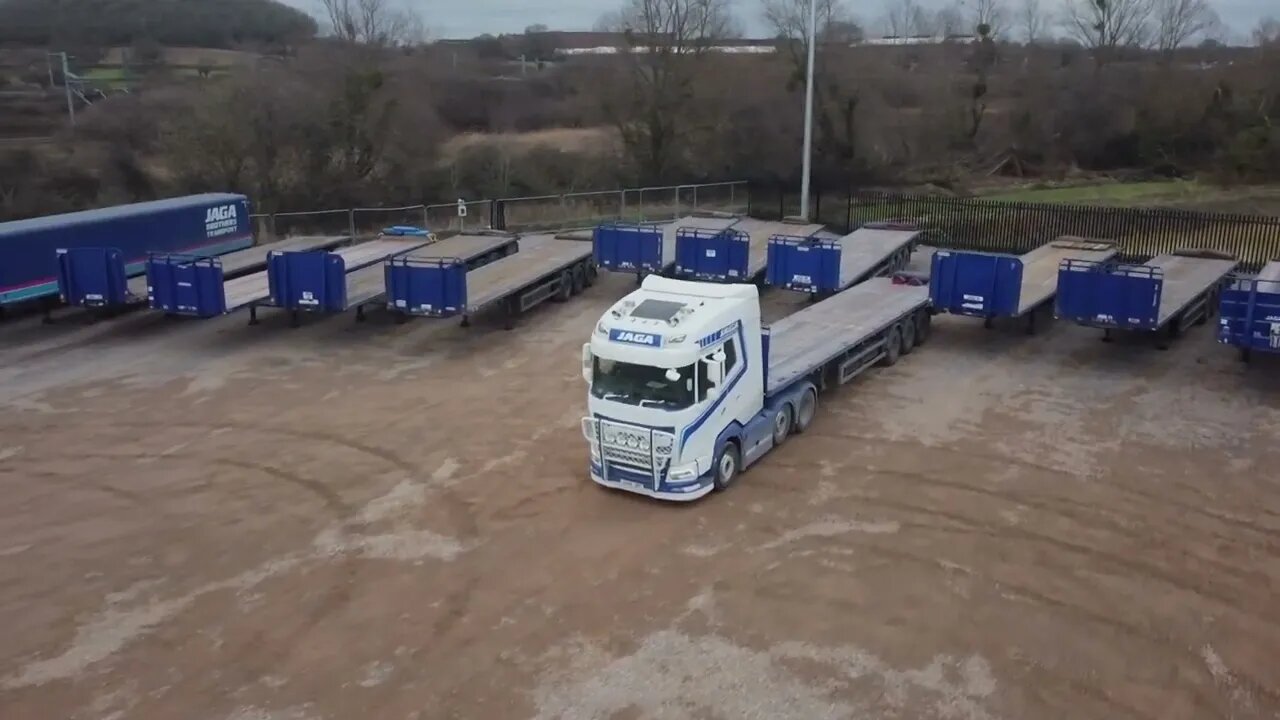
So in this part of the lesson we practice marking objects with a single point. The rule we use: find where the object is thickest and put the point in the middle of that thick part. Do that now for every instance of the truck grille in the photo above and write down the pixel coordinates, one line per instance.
(627, 456)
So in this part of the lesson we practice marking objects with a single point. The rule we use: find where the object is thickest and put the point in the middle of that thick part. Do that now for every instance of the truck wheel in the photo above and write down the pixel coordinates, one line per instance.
(589, 271)
(908, 336)
(579, 279)
(924, 326)
(565, 289)
(806, 408)
(728, 463)
(892, 347)
(781, 425)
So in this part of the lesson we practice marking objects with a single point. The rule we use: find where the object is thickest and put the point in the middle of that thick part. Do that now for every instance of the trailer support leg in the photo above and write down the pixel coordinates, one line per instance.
(401, 318)
(1031, 322)
(1244, 355)
(466, 321)
(509, 322)
(253, 314)
(295, 320)
(986, 323)
(47, 308)
(359, 313)
(1106, 335)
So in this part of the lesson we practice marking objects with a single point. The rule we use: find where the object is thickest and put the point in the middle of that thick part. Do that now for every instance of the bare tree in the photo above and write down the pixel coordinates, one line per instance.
(1104, 25)
(1178, 21)
(380, 23)
(904, 18)
(949, 22)
(667, 40)
(835, 103)
(1267, 32)
(1031, 18)
(989, 14)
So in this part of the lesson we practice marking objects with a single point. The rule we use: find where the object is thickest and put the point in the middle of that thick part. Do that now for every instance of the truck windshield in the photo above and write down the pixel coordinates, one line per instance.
(642, 385)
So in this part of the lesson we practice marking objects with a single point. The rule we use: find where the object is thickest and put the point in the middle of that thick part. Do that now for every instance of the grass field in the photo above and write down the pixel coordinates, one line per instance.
(1187, 194)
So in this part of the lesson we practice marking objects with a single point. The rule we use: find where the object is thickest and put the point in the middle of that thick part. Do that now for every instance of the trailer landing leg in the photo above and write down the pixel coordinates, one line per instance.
(295, 319)
(253, 314)
(1244, 355)
(47, 308)
(1106, 335)
(466, 321)
(986, 323)
(1031, 322)
(359, 313)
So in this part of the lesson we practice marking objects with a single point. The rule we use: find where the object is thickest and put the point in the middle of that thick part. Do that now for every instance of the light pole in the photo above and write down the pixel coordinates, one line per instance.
(807, 160)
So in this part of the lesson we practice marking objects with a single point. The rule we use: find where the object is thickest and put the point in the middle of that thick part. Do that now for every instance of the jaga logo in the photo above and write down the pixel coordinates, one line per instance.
(221, 220)
(636, 338)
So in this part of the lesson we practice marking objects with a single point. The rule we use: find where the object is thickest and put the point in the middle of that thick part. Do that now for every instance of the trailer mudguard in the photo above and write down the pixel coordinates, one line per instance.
(186, 285)
(314, 281)
(628, 247)
(803, 264)
(976, 284)
(1249, 315)
(718, 256)
(92, 277)
(435, 287)
(1106, 295)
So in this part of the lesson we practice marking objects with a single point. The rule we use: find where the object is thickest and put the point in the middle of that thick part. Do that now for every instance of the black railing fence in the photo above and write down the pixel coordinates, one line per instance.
(1016, 227)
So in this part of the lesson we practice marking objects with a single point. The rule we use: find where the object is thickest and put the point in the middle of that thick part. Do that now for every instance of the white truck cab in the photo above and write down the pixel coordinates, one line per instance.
(671, 367)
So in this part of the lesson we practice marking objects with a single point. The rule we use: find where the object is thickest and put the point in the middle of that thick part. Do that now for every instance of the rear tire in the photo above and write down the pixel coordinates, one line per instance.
(589, 272)
(924, 326)
(579, 280)
(728, 465)
(892, 347)
(565, 290)
(908, 336)
(806, 408)
(781, 425)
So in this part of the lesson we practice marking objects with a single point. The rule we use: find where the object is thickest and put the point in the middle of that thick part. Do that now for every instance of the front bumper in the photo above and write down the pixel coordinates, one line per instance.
(682, 492)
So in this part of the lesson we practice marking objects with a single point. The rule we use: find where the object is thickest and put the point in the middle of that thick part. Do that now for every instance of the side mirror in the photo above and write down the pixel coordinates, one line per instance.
(586, 362)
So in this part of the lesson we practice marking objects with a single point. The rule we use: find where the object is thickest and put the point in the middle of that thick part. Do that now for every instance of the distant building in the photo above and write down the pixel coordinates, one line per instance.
(920, 39)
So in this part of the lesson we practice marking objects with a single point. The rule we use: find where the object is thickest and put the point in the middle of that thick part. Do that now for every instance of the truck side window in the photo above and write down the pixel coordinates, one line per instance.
(703, 381)
(730, 356)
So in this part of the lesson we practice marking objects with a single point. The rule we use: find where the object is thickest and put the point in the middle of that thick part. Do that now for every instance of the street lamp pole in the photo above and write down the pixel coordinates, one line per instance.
(807, 160)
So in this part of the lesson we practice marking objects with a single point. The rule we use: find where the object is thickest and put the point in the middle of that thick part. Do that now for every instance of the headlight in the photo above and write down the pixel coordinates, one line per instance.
(610, 436)
(589, 429)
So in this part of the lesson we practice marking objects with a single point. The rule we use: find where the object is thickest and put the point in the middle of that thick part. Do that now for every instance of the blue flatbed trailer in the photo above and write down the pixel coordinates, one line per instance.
(403, 289)
(832, 341)
(645, 248)
(87, 257)
(1249, 312)
(547, 267)
(993, 285)
(197, 286)
(822, 267)
(739, 253)
(1164, 296)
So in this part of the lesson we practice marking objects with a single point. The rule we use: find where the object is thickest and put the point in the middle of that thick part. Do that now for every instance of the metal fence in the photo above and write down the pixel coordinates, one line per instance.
(572, 210)
(1016, 227)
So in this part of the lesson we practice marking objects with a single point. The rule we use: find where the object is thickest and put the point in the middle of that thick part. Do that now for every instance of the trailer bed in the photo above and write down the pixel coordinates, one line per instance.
(806, 340)
(821, 266)
(235, 264)
(866, 249)
(464, 247)
(1040, 268)
(539, 256)
(1185, 279)
(758, 234)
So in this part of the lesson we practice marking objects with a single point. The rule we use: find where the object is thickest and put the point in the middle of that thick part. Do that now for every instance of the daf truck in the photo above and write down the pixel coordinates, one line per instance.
(687, 388)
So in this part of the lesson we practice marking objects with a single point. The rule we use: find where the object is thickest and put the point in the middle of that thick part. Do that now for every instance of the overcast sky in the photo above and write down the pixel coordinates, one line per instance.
(468, 18)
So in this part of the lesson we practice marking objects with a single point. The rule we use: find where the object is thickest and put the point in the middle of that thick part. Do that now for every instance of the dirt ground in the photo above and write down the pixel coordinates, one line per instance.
(208, 520)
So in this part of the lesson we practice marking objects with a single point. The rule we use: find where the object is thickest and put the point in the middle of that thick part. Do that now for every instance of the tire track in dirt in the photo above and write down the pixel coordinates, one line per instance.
(784, 592)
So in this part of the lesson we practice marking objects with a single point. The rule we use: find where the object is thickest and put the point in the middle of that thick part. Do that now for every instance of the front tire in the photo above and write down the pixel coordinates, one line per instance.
(728, 465)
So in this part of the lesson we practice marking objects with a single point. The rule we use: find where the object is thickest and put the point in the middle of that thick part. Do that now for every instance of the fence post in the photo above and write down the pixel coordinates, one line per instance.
(426, 219)
(622, 206)
(732, 205)
(695, 198)
(848, 213)
(351, 223)
(817, 207)
(677, 209)
(274, 236)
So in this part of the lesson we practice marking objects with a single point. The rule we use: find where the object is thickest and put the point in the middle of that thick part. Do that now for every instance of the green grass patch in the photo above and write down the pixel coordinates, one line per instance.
(1162, 192)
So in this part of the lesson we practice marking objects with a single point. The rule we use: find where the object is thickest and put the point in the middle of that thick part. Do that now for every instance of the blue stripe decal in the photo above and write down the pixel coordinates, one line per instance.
(724, 393)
